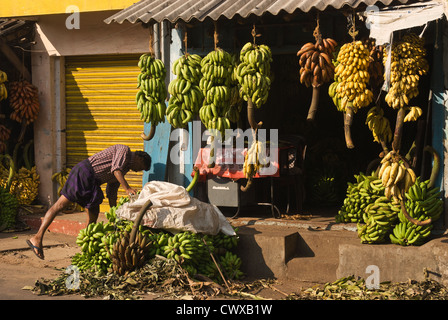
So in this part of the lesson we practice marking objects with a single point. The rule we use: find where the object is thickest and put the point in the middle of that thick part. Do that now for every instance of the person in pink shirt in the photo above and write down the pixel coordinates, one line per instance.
(83, 185)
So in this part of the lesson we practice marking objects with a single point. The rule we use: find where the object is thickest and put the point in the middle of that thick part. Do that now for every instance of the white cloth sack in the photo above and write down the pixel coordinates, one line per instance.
(174, 210)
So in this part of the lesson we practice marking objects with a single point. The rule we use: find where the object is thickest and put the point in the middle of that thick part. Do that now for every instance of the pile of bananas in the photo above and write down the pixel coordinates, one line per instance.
(359, 195)
(352, 77)
(253, 73)
(379, 125)
(186, 96)
(24, 184)
(315, 63)
(378, 218)
(8, 209)
(255, 159)
(3, 91)
(216, 68)
(152, 93)
(105, 248)
(61, 178)
(408, 63)
(422, 203)
(396, 176)
(24, 100)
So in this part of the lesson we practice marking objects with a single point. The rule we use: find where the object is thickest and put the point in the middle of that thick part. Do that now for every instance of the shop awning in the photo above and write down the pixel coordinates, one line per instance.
(187, 10)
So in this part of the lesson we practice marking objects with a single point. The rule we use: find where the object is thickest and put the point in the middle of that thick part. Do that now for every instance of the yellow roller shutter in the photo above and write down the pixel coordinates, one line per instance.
(101, 110)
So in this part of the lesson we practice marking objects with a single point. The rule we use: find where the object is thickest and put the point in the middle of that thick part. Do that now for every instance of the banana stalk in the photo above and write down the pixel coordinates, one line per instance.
(435, 167)
(195, 179)
(406, 214)
(348, 120)
(396, 144)
(138, 219)
(151, 133)
(314, 103)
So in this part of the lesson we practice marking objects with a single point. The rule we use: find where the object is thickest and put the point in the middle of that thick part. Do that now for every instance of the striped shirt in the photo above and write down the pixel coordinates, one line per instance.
(104, 163)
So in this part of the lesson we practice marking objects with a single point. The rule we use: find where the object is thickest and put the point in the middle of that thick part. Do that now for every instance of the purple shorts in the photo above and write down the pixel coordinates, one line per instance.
(81, 186)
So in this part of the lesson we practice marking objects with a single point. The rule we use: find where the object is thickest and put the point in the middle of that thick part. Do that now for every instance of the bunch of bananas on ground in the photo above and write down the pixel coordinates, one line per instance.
(24, 184)
(352, 77)
(255, 159)
(315, 63)
(254, 72)
(24, 100)
(407, 233)
(151, 95)
(126, 255)
(408, 63)
(423, 202)
(186, 96)
(8, 209)
(216, 68)
(61, 178)
(396, 176)
(378, 218)
(366, 190)
(3, 91)
(379, 125)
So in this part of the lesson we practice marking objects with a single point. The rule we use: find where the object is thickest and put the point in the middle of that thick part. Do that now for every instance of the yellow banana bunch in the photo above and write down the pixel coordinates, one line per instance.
(379, 125)
(186, 96)
(395, 176)
(253, 73)
(24, 184)
(152, 93)
(255, 159)
(352, 77)
(61, 178)
(413, 114)
(408, 63)
(215, 84)
(3, 91)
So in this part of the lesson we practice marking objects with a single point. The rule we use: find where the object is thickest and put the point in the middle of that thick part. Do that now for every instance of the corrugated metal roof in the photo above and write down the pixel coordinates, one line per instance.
(187, 10)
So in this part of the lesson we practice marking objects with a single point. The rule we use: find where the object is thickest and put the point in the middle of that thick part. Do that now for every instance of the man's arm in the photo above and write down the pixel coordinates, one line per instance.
(111, 192)
(124, 184)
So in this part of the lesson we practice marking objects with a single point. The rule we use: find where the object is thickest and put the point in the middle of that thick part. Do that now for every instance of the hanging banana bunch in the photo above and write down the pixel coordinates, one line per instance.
(316, 67)
(407, 64)
(5, 133)
(152, 93)
(61, 178)
(236, 101)
(3, 91)
(24, 100)
(379, 125)
(216, 70)
(255, 159)
(186, 96)
(253, 73)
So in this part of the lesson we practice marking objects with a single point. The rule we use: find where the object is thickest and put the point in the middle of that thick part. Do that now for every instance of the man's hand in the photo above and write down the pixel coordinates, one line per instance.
(124, 184)
(131, 191)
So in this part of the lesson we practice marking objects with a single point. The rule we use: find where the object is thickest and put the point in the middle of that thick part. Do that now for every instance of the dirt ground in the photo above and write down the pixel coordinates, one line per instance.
(20, 269)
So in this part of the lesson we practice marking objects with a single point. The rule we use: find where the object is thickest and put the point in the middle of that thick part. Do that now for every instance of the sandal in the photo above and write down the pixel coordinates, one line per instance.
(39, 253)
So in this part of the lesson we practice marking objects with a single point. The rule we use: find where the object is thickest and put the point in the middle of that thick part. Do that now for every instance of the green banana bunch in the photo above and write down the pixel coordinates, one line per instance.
(8, 209)
(379, 125)
(236, 101)
(152, 93)
(423, 202)
(359, 195)
(253, 73)
(215, 84)
(407, 233)
(324, 187)
(378, 217)
(185, 246)
(231, 264)
(3, 91)
(186, 96)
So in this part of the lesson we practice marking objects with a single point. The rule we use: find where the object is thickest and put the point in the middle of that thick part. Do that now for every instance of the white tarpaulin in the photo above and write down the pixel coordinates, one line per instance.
(382, 23)
(174, 210)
